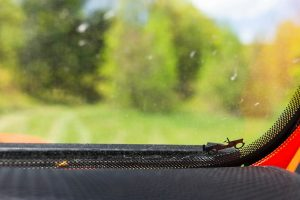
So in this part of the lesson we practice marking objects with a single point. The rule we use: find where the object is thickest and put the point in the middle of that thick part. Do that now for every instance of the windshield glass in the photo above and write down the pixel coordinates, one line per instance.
(145, 71)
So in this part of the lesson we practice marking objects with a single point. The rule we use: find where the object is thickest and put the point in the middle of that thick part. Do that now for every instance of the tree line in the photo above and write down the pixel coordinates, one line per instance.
(152, 56)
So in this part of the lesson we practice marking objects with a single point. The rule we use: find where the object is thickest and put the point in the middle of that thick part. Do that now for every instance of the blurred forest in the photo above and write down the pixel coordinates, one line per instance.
(150, 56)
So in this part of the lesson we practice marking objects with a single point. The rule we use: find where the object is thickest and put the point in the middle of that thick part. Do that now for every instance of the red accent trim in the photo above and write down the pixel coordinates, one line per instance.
(283, 155)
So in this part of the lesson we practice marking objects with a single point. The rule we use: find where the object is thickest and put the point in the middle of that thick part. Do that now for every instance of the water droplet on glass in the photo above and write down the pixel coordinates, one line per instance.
(149, 57)
(296, 60)
(192, 54)
(81, 43)
(82, 27)
(234, 75)
(109, 14)
(256, 104)
(242, 100)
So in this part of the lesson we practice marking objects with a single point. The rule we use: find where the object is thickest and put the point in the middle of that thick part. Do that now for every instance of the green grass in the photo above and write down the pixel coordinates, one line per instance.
(107, 124)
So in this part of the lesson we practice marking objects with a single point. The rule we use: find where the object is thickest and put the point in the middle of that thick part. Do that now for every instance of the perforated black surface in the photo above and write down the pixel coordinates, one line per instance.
(87, 172)
(206, 183)
(276, 135)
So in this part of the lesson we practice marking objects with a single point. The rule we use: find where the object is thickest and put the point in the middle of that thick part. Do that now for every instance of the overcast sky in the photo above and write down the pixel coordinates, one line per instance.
(251, 18)
(248, 18)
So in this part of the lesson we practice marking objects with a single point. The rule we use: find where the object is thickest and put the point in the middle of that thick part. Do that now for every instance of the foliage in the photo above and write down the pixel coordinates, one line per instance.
(11, 19)
(165, 57)
(222, 78)
(11, 39)
(193, 38)
(151, 55)
(275, 67)
(288, 55)
(140, 59)
(258, 102)
(230, 71)
(60, 59)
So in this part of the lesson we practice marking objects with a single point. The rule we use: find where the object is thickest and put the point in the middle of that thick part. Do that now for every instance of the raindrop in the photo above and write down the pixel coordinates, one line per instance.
(81, 43)
(256, 104)
(82, 27)
(109, 14)
(242, 100)
(192, 54)
(149, 57)
(234, 75)
(296, 60)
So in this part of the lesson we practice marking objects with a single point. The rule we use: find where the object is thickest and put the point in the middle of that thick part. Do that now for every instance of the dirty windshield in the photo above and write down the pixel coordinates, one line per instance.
(145, 71)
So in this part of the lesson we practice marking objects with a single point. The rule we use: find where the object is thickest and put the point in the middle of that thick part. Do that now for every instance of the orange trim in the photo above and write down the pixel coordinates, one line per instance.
(283, 155)
(295, 162)
(19, 138)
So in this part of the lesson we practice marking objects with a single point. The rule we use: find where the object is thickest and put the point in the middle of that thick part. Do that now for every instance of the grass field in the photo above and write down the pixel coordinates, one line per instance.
(107, 124)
